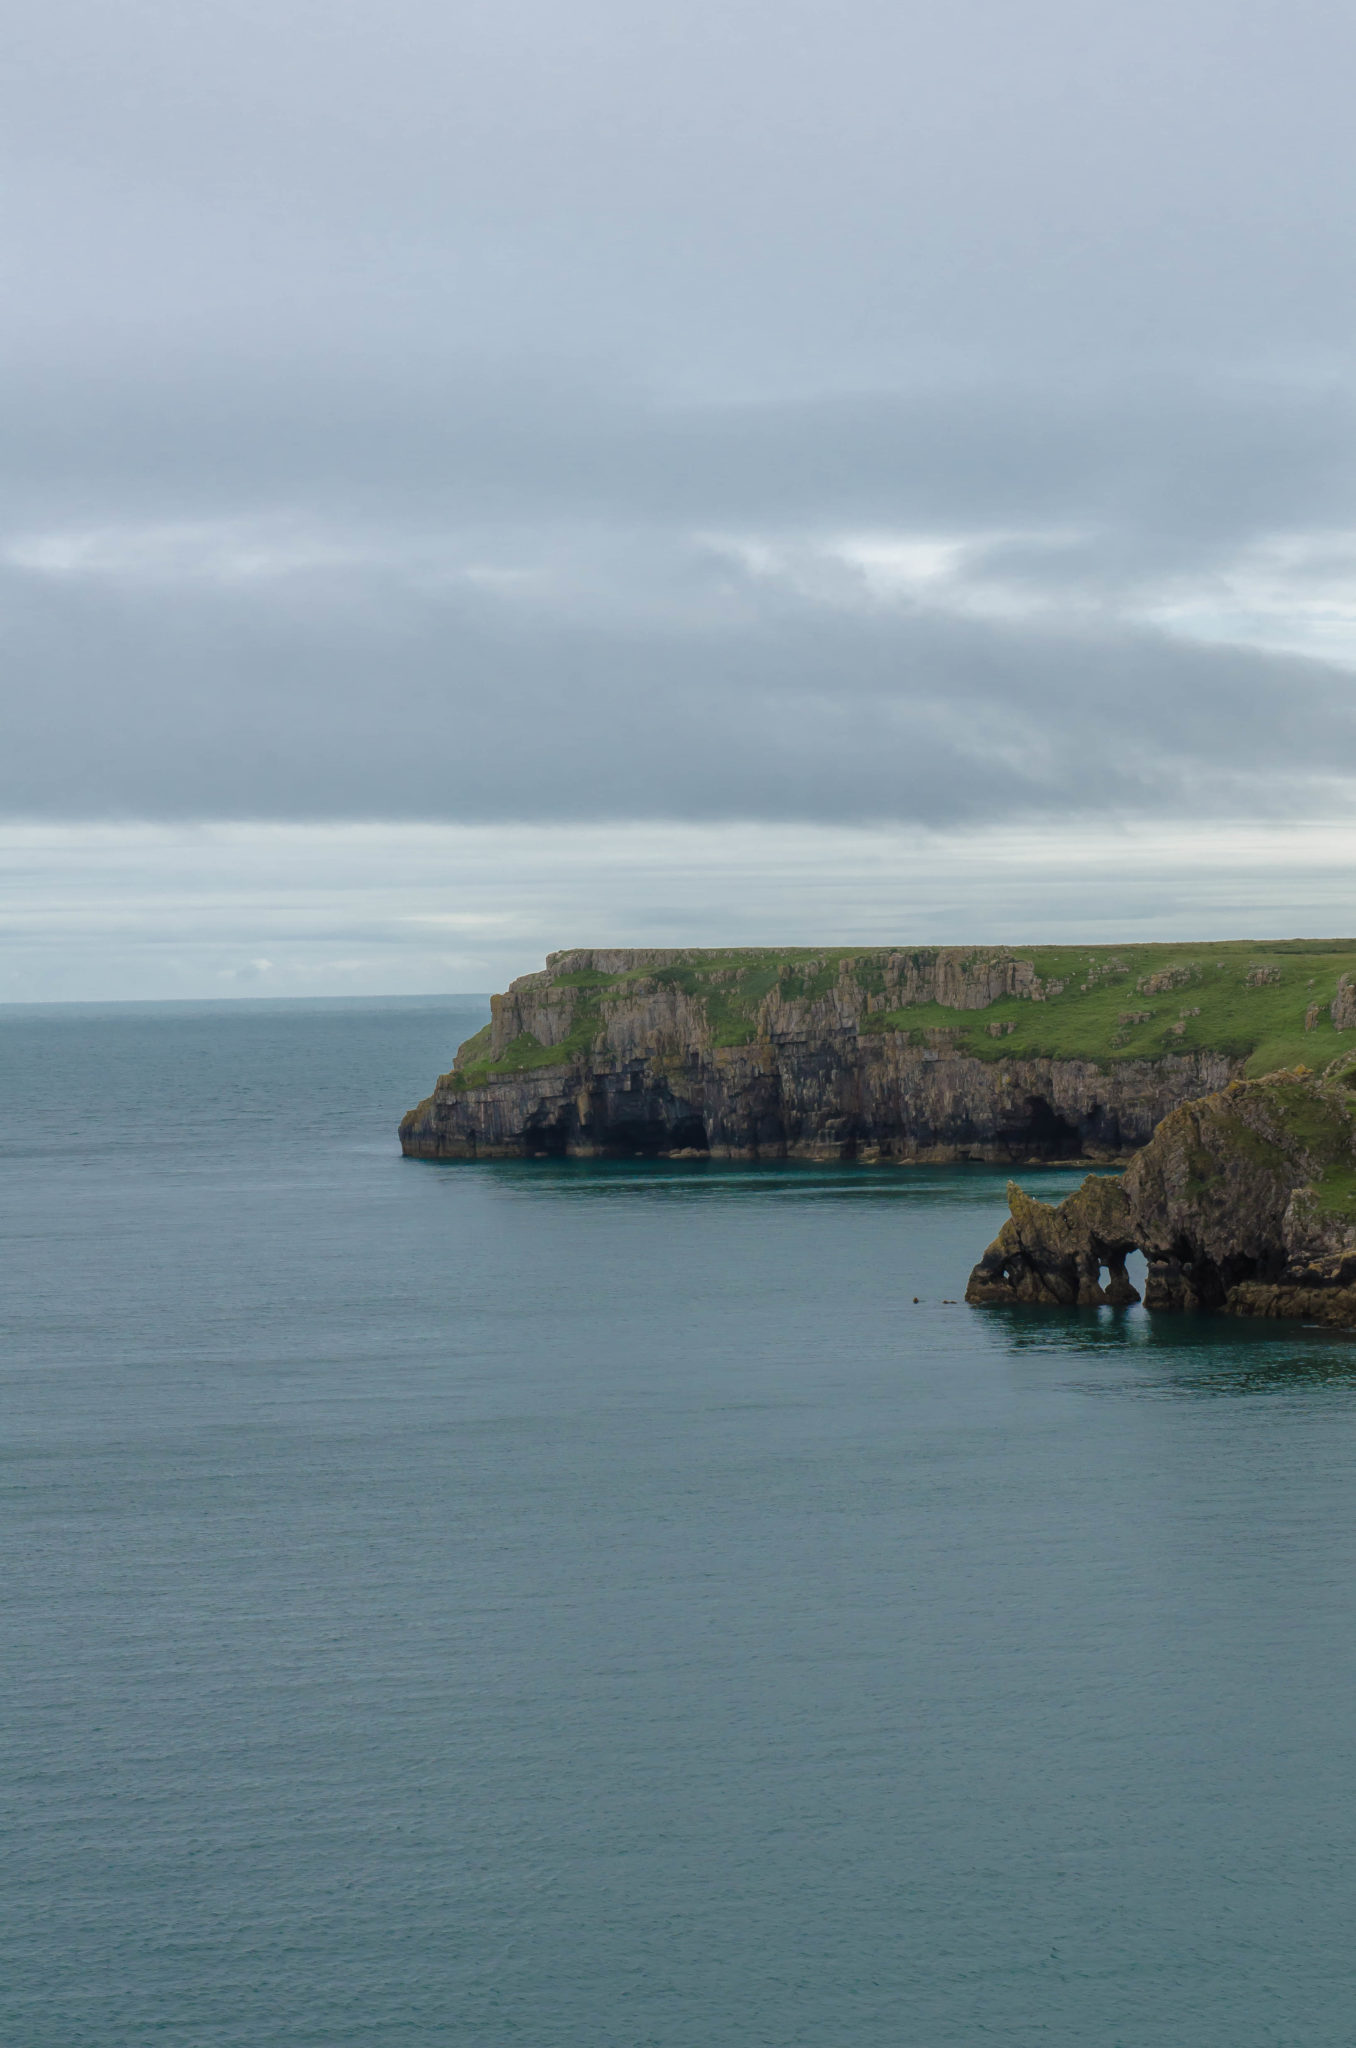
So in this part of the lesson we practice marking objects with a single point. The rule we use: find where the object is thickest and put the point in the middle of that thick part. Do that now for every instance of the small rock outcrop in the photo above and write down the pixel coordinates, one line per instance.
(1056, 1255)
(1242, 1202)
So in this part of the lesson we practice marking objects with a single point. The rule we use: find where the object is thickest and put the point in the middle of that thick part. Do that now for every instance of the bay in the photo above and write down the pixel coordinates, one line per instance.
(583, 1603)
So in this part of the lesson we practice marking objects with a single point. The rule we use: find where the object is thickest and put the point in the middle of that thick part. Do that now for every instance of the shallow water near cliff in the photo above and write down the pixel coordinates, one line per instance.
(594, 1604)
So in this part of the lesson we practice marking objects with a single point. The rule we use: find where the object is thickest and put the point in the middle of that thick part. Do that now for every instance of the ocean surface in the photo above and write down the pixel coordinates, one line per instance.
(596, 1606)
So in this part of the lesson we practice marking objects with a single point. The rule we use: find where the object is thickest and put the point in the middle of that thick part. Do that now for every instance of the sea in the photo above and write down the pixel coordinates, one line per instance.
(551, 1604)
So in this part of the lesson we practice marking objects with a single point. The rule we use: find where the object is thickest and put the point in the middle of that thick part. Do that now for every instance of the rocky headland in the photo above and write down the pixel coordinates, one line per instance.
(934, 1053)
(1242, 1202)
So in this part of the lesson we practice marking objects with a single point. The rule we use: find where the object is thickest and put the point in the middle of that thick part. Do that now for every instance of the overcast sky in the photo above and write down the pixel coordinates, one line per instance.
(869, 418)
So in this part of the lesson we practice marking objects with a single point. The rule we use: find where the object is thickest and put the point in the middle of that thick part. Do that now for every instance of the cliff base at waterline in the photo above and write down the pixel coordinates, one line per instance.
(931, 1053)
(1243, 1202)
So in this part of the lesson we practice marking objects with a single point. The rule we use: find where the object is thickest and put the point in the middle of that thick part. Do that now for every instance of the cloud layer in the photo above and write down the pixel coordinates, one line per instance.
(925, 416)
(102, 912)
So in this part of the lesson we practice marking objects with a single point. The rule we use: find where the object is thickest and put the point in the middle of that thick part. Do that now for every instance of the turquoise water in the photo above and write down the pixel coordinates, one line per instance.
(589, 1604)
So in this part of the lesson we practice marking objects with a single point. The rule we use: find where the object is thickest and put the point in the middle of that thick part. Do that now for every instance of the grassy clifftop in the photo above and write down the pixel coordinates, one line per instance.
(1265, 1002)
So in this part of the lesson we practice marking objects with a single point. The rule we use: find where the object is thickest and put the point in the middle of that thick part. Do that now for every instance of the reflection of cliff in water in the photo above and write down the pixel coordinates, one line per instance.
(1179, 1354)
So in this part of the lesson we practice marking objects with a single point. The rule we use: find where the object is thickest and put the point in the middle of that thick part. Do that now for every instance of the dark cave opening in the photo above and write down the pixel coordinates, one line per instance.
(548, 1140)
(688, 1135)
(1046, 1134)
(627, 1139)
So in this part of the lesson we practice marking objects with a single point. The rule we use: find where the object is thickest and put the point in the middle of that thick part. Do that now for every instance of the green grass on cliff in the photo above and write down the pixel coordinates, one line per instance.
(524, 1054)
(1244, 999)
(1285, 1122)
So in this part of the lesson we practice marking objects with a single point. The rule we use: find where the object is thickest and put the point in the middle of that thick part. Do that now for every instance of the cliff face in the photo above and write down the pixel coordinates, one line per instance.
(1056, 1256)
(1243, 1202)
(933, 1054)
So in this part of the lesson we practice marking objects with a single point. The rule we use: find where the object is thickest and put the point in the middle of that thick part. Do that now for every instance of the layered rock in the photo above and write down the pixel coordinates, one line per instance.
(1242, 1202)
(751, 1056)
(1055, 1256)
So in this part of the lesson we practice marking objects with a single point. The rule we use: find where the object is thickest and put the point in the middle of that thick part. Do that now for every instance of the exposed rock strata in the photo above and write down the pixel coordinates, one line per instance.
(639, 1066)
(1243, 1202)
(1056, 1256)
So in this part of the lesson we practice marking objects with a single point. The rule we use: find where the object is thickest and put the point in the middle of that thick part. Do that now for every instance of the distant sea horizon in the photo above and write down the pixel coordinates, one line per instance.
(399, 1001)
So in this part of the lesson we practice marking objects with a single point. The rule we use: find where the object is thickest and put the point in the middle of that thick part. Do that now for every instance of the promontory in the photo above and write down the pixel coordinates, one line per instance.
(1243, 1201)
(998, 1053)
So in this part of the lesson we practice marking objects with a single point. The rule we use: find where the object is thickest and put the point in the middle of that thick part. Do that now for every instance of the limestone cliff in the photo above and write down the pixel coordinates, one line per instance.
(1056, 1256)
(925, 1054)
(1244, 1201)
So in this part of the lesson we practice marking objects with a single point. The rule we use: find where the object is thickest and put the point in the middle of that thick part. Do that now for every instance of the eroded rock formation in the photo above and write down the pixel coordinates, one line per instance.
(1056, 1255)
(1243, 1201)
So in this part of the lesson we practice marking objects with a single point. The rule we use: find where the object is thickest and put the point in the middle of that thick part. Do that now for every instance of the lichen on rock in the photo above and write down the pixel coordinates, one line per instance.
(1056, 1255)
(1243, 1201)
(1343, 1006)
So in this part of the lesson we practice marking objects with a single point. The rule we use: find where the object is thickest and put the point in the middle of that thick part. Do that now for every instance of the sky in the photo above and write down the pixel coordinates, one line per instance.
(482, 478)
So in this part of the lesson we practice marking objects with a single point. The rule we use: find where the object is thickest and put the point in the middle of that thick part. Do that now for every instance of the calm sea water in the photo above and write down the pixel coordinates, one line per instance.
(582, 1605)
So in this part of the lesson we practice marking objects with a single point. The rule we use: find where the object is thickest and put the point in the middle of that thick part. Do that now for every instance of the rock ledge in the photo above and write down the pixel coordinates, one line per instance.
(1243, 1202)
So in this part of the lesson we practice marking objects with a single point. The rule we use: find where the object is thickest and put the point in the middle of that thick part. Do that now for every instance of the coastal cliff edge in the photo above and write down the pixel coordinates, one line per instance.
(932, 1053)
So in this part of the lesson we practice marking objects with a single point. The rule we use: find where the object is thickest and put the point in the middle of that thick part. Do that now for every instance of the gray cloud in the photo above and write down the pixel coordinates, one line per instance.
(786, 192)
(345, 697)
(775, 412)
(1186, 458)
